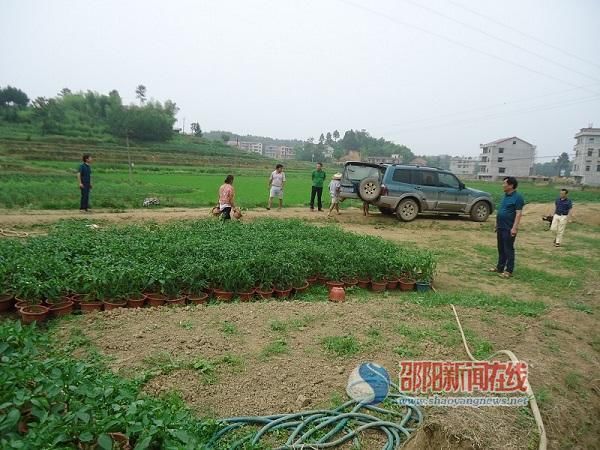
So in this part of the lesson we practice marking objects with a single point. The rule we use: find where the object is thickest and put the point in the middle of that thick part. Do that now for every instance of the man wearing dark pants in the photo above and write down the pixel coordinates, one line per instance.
(507, 225)
(318, 178)
(84, 176)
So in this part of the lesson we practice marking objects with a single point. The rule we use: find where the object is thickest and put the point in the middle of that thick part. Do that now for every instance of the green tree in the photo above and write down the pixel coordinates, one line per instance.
(336, 135)
(140, 93)
(195, 127)
(321, 139)
(11, 96)
(225, 137)
(328, 139)
(563, 163)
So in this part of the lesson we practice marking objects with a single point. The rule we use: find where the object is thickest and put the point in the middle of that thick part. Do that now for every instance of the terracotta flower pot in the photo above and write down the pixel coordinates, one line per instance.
(114, 304)
(331, 284)
(337, 294)
(391, 284)
(155, 299)
(224, 296)
(20, 304)
(76, 299)
(265, 294)
(406, 284)
(349, 282)
(200, 299)
(136, 301)
(363, 283)
(179, 301)
(312, 280)
(246, 296)
(282, 293)
(321, 279)
(61, 309)
(6, 302)
(378, 286)
(33, 313)
(89, 307)
(301, 289)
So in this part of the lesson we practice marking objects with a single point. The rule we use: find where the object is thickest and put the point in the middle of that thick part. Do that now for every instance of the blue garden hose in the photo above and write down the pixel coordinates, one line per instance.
(328, 428)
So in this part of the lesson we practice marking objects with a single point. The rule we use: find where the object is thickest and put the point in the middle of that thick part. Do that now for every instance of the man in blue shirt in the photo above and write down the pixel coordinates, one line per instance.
(507, 225)
(84, 176)
(562, 214)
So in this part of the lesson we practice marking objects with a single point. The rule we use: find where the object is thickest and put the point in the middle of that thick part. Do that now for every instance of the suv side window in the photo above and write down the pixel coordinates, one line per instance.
(425, 178)
(448, 180)
(401, 176)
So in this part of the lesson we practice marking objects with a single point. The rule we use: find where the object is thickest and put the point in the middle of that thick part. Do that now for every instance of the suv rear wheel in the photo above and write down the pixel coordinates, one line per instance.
(407, 210)
(480, 211)
(369, 189)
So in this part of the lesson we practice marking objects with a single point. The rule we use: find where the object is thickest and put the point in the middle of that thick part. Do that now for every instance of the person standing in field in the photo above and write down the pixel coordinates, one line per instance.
(276, 183)
(507, 225)
(84, 177)
(334, 191)
(226, 196)
(563, 207)
(318, 178)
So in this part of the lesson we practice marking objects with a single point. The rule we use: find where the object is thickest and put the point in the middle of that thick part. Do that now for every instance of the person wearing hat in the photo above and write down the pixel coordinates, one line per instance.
(334, 190)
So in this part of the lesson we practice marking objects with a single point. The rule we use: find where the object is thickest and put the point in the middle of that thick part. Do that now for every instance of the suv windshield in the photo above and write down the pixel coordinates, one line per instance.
(357, 173)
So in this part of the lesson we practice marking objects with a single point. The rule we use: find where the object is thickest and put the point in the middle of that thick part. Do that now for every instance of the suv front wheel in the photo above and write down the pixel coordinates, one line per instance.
(407, 210)
(480, 211)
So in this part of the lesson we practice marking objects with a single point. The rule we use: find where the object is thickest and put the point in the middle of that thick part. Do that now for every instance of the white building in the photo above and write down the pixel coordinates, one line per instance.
(508, 157)
(463, 165)
(279, 152)
(250, 147)
(586, 163)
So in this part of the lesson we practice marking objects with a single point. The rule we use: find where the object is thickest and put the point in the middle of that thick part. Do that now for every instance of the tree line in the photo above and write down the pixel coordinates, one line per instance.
(90, 114)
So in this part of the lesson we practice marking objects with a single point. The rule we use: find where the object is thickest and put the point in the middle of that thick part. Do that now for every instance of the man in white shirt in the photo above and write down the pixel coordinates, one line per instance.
(276, 182)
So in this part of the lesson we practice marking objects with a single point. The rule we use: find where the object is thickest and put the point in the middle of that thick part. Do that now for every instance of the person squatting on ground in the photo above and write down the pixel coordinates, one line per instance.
(318, 178)
(334, 192)
(84, 177)
(563, 206)
(507, 225)
(276, 183)
(226, 195)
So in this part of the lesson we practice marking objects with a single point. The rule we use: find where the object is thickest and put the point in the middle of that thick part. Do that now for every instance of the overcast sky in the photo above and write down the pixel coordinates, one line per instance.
(440, 76)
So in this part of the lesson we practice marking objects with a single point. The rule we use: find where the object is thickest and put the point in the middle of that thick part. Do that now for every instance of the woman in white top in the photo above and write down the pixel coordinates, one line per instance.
(276, 182)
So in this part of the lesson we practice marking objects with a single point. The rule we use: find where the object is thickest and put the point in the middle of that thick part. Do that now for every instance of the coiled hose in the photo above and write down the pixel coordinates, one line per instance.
(328, 428)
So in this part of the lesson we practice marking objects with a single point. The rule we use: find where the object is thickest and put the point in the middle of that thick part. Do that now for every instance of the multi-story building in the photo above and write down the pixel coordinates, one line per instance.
(279, 152)
(506, 157)
(586, 162)
(463, 165)
(251, 147)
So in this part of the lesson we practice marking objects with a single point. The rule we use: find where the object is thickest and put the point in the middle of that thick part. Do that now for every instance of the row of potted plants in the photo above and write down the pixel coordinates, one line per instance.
(38, 310)
(193, 256)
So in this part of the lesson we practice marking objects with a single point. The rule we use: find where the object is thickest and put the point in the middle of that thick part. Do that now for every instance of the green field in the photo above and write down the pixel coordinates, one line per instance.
(183, 173)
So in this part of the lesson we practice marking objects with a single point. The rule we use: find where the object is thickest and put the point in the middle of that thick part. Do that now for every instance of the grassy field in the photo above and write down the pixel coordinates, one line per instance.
(185, 172)
(52, 185)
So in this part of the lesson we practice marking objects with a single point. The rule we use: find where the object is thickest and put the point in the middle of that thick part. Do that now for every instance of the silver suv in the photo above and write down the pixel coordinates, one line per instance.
(406, 191)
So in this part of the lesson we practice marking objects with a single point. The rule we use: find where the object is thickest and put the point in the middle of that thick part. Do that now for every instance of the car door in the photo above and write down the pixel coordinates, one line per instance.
(426, 182)
(353, 173)
(451, 197)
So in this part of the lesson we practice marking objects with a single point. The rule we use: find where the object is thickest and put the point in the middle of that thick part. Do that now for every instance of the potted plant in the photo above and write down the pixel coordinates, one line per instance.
(426, 272)
(196, 291)
(244, 285)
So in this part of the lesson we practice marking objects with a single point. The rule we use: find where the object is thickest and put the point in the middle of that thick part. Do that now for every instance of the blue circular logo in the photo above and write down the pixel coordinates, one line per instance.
(368, 383)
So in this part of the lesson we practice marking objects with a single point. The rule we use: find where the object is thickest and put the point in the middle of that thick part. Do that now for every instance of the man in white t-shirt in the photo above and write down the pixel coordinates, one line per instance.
(276, 182)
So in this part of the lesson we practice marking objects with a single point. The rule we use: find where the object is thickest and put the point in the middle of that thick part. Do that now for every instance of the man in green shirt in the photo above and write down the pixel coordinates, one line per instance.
(318, 178)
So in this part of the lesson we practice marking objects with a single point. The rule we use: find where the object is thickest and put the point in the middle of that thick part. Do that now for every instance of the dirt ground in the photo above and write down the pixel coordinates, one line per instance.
(269, 357)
